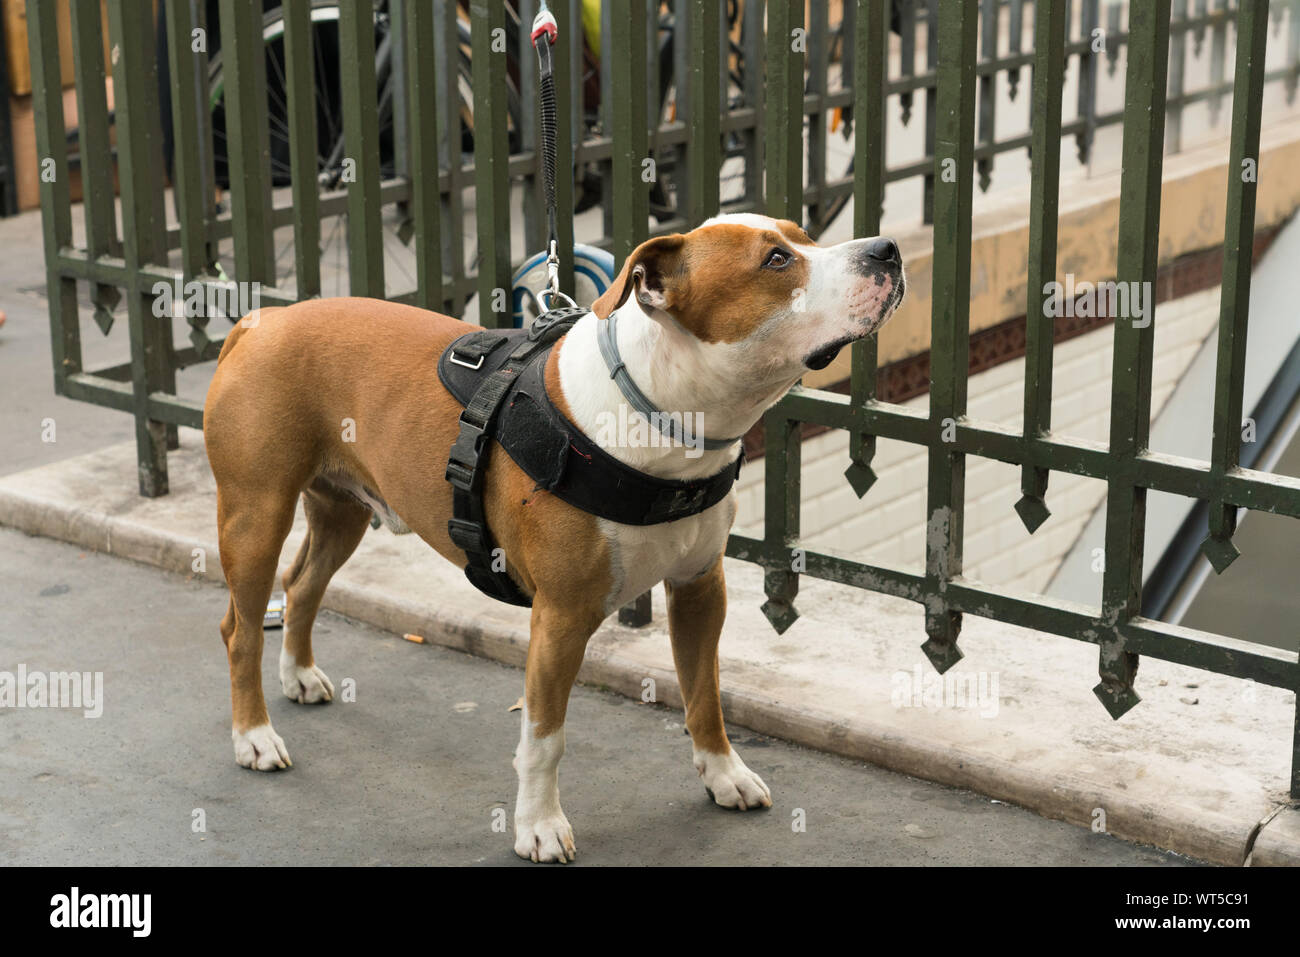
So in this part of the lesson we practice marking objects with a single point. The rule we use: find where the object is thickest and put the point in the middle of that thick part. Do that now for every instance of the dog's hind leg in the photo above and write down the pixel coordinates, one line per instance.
(335, 525)
(696, 610)
(251, 526)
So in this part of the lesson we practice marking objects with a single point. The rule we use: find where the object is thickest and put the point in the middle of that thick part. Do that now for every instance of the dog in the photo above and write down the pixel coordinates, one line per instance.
(337, 402)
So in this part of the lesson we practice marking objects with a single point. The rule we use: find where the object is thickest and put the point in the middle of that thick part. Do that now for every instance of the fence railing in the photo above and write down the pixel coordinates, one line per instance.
(401, 141)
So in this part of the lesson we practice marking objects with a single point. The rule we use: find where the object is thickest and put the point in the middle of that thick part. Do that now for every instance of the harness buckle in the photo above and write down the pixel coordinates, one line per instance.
(461, 362)
(462, 460)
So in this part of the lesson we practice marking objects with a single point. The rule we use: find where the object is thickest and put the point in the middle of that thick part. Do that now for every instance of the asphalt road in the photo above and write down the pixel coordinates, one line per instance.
(417, 769)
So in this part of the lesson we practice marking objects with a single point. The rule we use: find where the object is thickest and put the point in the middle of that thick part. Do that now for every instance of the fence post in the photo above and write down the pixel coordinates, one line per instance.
(1044, 200)
(950, 323)
(631, 149)
(1130, 419)
(299, 74)
(491, 162)
(134, 89)
(783, 118)
(361, 137)
(92, 141)
(870, 61)
(248, 148)
(424, 126)
(56, 204)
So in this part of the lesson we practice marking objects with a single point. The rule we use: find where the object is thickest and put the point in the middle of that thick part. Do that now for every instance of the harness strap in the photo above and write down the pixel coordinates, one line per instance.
(466, 461)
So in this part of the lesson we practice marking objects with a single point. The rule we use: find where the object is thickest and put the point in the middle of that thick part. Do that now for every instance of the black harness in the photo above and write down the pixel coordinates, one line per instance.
(499, 376)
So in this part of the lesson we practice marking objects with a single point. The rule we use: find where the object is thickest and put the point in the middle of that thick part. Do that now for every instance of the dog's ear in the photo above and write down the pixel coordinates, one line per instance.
(655, 270)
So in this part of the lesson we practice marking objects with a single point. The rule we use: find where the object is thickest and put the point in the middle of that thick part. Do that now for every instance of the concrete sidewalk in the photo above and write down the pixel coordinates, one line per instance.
(416, 770)
(1200, 767)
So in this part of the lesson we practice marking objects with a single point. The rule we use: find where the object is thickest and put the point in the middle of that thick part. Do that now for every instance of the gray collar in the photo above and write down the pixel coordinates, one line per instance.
(607, 339)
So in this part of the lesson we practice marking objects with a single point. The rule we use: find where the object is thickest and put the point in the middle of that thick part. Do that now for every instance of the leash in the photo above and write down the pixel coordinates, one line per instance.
(544, 25)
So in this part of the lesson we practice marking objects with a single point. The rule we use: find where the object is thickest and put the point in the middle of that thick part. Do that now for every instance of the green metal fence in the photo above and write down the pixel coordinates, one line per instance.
(431, 174)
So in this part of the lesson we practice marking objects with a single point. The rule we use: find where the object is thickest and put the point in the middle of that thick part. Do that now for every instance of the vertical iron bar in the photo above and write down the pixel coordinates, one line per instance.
(783, 119)
(703, 150)
(631, 214)
(818, 70)
(92, 143)
(950, 323)
(56, 205)
(423, 127)
(988, 91)
(361, 138)
(248, 148)
(568, 79)
(1088, 64)
(188, 186)
(134, 80)
(751, 42)
(491, 158)
(906, 54)
(534, 199)
(782, 457)
(931, 105)
(1238, 249)
(607, 106)
(1177, 68)
(1130, 420)
(870, 41)
(400, 50)
(299, 71)
(1218, 56)
(627, 83)
(1044, 200)
(447, 43)
(1015, 37)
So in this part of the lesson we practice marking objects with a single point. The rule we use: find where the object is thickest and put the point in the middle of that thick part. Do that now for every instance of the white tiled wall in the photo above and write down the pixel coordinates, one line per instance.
(888, 524)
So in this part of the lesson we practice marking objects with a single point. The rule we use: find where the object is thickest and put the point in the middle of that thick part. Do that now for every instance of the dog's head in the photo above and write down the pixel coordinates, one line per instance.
(758, 296)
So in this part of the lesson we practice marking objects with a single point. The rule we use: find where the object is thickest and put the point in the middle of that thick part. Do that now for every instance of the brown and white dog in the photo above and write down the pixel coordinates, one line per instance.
(338, 401)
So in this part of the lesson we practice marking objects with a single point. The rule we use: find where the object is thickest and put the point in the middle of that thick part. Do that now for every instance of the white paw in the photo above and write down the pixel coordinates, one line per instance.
(730, 783)
(304, 685)
(546, 840)
(260, 748)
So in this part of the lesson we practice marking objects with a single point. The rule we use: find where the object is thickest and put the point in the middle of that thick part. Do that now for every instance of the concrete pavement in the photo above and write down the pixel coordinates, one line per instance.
(417, 770)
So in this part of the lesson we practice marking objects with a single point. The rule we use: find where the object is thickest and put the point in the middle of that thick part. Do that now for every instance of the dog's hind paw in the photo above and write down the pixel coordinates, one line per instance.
(261, 749)
(730, 783)
(304, 685)
(549, 840)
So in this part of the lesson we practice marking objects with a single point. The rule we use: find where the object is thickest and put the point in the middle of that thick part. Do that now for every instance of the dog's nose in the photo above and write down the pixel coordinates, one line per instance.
(884, 250)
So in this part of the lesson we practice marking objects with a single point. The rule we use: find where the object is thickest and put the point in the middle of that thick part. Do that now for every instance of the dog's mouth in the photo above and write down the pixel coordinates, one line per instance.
(826, 355)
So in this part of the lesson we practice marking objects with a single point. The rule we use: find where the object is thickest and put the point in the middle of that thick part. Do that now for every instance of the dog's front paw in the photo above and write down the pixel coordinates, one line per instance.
(261, 749)
(730, 783)
(545, 840)
(304, 685)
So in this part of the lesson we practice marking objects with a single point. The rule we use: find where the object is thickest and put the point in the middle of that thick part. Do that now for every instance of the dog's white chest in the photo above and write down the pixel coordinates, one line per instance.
(643, 556)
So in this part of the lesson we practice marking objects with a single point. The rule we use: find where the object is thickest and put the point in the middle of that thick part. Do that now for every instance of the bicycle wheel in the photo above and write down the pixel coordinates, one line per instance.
(330, 140)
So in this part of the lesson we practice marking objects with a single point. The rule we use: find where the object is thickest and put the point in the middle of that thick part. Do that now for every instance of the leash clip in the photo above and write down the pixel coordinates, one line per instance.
(552, 292)
(545, 23)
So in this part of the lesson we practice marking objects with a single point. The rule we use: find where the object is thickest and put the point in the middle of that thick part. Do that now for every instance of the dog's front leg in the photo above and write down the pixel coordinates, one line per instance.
(696, 611)
(556, 645)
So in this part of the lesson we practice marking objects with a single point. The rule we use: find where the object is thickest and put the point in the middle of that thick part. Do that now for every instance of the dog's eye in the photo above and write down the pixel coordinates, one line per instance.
(777, 259)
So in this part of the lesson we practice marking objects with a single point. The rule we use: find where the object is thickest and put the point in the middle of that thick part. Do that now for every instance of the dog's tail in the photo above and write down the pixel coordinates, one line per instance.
(238, 330)
(232, 337)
